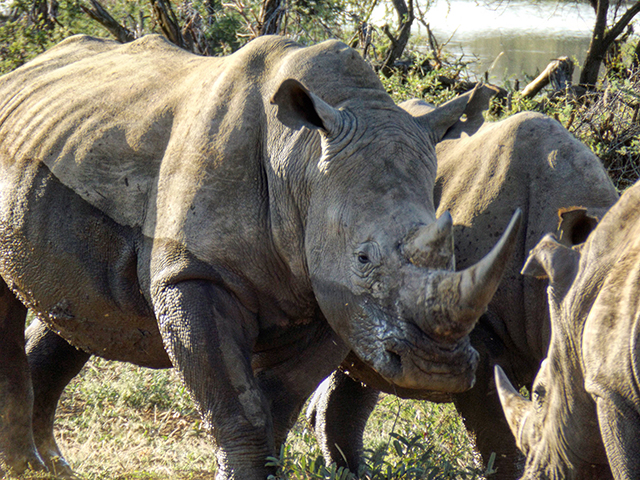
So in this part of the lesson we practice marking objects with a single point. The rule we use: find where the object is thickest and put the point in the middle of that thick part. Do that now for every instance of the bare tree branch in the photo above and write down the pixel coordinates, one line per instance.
(621, 24)
(244, 12)
(271, 15)
(558, 73)
(102, 16)
(601, 40)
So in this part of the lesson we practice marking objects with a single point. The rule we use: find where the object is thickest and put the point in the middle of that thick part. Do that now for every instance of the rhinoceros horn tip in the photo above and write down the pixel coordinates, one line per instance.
(480, 281)
(502, 382)
(514, 405)
(445, 222)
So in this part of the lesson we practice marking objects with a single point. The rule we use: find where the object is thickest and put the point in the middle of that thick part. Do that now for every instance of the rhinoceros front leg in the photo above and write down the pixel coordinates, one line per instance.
(53, 363)
(339, 410)
(209, 339)
(17, 448)
(482, 412)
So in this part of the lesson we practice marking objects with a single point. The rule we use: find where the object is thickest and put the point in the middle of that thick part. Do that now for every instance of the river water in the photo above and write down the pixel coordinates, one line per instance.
(514, 38)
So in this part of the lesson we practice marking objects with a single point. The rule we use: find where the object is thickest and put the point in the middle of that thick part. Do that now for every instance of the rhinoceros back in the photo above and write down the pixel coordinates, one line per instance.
(99, 116)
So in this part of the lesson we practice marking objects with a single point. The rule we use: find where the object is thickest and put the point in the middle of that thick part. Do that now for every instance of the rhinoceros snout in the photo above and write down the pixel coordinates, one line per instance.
(450, 369)
(426, 340)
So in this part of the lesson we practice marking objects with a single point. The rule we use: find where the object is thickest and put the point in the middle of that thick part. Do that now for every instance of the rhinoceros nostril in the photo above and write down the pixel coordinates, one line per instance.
(394, 359)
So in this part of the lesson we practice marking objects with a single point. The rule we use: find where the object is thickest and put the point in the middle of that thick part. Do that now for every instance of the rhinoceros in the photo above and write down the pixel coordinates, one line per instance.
(247, 220)
(583, 418)
(485, 169)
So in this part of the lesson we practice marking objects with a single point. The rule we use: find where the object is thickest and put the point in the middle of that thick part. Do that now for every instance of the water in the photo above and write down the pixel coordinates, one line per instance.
(514, 38)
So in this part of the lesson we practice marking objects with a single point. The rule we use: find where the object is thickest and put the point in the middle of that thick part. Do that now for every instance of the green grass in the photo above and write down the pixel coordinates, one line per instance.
(118, 421)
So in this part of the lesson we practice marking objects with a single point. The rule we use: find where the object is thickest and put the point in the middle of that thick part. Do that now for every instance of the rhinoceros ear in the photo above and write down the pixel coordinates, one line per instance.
(298, 107)
(439, 120)
(446, 119)
(442, 118)
(550, 259)
(575, 225)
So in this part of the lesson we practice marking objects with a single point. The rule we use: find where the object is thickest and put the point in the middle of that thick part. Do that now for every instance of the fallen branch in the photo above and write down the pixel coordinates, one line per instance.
(559, 73)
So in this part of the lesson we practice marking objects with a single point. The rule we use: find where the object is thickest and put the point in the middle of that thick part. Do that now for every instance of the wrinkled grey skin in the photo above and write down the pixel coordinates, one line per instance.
(586, 397)
(246, 219)
(484, 171)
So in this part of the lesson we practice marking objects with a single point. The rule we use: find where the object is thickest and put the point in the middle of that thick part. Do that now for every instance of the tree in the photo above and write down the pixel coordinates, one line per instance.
(398, 43)
(602, 38)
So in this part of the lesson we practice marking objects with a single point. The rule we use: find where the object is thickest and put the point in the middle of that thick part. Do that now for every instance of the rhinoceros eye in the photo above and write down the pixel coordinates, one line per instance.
(539, 392)
(367, 256)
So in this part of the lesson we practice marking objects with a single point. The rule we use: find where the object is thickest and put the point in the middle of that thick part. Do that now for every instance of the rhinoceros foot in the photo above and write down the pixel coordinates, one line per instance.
(57, 464)
(18, 464)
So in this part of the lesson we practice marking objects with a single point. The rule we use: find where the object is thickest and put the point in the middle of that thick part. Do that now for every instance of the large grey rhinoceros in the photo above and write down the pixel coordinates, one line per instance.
(246, 219)
(583, 419)
(484, 171)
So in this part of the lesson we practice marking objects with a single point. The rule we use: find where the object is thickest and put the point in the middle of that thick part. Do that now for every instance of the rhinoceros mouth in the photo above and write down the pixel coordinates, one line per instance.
(427, 365)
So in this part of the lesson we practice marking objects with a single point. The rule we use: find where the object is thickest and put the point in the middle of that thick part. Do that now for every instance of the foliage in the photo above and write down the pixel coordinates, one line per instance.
(26, 33)
(422, 76)
(608, 124)
(404, 440)
(32, 26)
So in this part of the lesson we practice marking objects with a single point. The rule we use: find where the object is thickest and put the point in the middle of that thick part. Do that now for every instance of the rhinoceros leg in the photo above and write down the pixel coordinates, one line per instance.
(482, 413)
(339, 411)
(207, 336)
(53, 363)
(17, 448)
(289, 376)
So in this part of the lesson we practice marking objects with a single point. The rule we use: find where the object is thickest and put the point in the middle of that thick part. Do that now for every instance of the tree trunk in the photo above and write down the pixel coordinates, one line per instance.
(636, 57)
(558, 73)
(44, 13)
(168, 22)
(102, 16)
(270, 17)
(405, 19)
(602, 40)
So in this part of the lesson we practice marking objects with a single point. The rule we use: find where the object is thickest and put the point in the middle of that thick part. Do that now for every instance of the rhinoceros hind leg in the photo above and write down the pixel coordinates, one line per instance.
(339, 411)
(17, 448)
(53, 363)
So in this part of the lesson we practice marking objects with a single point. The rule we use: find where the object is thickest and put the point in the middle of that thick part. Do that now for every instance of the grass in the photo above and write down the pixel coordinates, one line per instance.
(118, 421)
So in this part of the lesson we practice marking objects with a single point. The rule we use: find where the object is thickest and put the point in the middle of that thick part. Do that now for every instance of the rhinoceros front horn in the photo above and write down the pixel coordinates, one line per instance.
(479, 282)
(514, 405)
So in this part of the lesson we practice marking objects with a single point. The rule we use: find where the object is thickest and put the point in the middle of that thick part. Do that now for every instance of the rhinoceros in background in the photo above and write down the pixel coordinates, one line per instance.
(247, 219)
(485, 170)
(585, 399)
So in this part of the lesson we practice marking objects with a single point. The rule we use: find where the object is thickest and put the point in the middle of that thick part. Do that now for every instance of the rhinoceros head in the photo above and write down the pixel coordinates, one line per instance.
(381, 265)
(557, 428)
